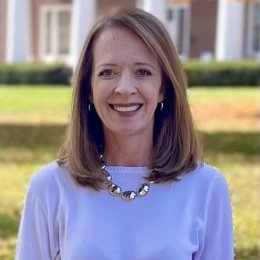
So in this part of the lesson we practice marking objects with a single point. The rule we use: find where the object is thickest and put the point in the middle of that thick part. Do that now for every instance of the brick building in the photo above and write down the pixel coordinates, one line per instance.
(54, 30)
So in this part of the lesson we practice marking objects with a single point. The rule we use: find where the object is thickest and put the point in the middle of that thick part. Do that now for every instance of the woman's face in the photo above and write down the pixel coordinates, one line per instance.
(126, 83)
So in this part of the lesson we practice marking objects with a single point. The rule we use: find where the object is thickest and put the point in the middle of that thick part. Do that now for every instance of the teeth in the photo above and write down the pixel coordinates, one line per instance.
(126, 109)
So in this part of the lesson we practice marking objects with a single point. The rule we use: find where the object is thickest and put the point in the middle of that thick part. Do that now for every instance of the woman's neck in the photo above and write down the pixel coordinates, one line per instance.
(128, 151)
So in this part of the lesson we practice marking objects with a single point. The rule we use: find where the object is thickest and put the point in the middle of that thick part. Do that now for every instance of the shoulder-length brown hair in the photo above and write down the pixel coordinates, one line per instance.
(176, 149)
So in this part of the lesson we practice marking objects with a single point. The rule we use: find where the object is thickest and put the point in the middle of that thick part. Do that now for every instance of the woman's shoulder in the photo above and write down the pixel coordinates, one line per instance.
(48, 177)
(47, 172)
(207, 175)
(207, 170)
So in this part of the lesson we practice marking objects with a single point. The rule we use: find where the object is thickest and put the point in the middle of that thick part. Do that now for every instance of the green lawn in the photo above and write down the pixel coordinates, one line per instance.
(33, 123)
(35, 105)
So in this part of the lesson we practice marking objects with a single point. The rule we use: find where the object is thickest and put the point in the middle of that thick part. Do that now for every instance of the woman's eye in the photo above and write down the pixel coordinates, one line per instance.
(106, 73)
(143, 72)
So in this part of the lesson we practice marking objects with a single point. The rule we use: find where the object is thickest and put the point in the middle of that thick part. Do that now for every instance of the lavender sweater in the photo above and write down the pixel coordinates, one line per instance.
(186, 220)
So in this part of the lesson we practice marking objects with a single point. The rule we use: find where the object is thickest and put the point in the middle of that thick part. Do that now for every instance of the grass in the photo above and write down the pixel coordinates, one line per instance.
(34, 105)
(224, 94)
(32, 126)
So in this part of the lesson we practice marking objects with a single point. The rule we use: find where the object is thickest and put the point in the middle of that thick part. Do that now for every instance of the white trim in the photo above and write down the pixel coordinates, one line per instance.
(54, 56)
(230, 30)
(18, 31)
(83, 17)
(155, 7)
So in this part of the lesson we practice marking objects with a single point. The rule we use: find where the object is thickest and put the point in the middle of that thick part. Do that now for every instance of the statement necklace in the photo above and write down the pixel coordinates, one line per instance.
(116, 191)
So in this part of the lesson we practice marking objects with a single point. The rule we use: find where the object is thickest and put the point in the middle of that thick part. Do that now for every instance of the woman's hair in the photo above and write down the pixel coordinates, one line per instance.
(176, 149)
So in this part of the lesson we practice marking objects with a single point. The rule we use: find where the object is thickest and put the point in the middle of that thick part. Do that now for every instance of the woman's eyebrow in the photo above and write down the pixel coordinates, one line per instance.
(105, 65)
(101, 65)
(145, 64)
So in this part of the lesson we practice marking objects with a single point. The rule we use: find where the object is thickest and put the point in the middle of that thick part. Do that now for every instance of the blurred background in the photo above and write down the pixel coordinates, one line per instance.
(218, 42)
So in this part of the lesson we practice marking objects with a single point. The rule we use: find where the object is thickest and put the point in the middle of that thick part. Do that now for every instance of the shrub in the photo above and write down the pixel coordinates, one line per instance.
(199, 73)
(240, 73)
(34, 74)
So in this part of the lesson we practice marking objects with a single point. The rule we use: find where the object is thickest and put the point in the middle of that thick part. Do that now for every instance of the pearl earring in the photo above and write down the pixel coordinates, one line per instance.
(161, 108)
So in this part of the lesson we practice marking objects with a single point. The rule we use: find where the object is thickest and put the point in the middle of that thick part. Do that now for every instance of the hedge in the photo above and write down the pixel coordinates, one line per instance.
(240, 73)
(35, 74)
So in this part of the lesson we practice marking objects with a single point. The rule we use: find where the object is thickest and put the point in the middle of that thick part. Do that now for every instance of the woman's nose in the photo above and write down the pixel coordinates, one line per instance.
(126, 85)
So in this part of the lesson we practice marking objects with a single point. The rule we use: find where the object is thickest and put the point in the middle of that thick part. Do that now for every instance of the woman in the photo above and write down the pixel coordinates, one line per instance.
(129, 182)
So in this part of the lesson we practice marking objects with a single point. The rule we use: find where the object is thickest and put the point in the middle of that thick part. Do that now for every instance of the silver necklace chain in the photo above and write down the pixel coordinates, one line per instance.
(116, 191)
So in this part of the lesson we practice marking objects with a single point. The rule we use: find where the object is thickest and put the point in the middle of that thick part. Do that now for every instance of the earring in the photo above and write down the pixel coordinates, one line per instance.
(161, 104)
(89, 107)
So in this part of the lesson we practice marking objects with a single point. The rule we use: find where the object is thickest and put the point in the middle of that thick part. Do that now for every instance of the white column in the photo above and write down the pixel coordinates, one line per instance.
(18, 31)
(230, 28)
(157, 8)
(83, 17)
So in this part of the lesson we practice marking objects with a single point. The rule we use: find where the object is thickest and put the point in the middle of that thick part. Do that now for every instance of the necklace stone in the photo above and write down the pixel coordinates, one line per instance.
(129, 195)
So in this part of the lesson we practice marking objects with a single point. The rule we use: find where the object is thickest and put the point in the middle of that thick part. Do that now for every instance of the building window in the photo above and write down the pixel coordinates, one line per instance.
(64, 32)
(256, 29)
(178, 25)
(55, 32)
(169, 15)
(253, 39)
(48, 22)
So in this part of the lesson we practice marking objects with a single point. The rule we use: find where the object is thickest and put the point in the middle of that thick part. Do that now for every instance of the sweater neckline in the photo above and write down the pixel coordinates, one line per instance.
(139, 170)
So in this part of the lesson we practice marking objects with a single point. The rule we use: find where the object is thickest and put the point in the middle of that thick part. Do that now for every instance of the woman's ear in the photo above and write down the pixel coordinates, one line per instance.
(161, 96)
(90, 96)
(162, 91)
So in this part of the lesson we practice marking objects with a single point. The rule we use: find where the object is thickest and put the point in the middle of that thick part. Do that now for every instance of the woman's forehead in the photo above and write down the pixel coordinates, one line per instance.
(112, 43)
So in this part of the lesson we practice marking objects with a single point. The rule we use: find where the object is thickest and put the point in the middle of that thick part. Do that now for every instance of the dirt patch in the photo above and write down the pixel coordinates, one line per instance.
(233, 116)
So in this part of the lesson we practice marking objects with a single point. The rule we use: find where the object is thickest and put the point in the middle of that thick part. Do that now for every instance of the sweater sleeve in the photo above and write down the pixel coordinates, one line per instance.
(35, 240)
(217, 241)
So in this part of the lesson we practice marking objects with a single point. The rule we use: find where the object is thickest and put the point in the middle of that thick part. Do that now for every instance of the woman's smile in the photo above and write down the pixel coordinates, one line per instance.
(126, 108)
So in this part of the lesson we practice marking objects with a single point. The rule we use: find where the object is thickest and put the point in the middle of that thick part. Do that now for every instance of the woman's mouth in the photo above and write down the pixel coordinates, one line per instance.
(125, 108)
